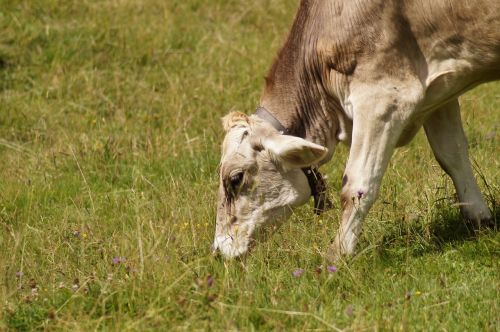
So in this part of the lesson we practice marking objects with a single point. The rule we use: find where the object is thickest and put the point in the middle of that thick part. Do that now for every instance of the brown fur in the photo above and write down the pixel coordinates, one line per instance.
(334, 42)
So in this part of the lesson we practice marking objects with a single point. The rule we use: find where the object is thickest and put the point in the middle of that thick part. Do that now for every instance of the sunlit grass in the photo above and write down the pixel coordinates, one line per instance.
(109, 145)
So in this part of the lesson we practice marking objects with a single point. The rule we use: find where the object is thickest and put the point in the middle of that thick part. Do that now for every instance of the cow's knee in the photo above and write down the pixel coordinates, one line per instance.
(360, 191)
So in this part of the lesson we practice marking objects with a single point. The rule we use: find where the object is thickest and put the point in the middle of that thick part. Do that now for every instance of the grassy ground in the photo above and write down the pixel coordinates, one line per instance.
(109, 145)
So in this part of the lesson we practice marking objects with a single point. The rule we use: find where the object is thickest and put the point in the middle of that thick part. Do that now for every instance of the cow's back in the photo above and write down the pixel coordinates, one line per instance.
(457, 29)
(460, 43)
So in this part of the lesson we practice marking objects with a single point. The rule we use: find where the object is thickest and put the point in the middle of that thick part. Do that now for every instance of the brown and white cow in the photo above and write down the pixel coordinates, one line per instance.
(368, 73)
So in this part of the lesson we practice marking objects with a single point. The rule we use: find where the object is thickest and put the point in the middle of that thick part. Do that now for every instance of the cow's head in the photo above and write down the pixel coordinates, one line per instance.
(260, 179)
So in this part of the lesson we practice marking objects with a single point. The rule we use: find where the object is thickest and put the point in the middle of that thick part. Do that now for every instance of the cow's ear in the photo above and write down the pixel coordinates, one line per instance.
(294, 152)
(234, 119)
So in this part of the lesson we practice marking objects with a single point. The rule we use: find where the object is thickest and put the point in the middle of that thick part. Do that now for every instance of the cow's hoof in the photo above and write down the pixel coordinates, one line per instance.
(478, 219)
(482, 224)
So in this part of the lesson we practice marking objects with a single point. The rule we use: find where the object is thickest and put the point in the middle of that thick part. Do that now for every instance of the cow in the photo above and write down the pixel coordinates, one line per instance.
(367, 73)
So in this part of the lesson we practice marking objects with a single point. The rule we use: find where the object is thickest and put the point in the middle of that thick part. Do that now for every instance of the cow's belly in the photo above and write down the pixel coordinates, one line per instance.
(444, 88)
(409, 132)
(449, 79)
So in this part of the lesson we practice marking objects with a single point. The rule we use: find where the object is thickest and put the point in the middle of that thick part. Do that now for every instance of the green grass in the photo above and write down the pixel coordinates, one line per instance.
(109, 146)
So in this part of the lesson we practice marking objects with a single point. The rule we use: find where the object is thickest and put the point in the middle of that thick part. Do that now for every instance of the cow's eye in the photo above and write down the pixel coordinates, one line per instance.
(236, 180)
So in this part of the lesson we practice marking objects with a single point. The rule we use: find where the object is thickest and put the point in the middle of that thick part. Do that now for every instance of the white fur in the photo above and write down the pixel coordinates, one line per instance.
(274, 188)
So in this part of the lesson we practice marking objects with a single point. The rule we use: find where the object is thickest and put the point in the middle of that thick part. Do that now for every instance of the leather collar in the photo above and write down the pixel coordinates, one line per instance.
(316, 181)
(265, 115)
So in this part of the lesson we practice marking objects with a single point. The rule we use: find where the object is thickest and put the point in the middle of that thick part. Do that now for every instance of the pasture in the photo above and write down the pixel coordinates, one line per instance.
(109, 145)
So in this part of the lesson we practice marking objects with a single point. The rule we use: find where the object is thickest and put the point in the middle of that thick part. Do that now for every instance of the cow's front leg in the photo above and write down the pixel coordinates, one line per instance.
(376, 131)
(449, 144)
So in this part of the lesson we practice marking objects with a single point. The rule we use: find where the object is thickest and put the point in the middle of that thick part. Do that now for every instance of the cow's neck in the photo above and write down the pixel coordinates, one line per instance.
(296, 92)
(303, 113)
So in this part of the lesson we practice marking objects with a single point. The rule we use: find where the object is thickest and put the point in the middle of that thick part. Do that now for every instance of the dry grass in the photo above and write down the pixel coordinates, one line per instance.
(109, 143)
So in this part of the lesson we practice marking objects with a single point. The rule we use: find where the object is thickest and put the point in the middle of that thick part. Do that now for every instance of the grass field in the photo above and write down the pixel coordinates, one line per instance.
(109, 146)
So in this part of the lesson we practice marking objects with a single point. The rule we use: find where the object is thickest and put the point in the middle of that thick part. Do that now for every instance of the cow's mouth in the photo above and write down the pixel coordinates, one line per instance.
(231, 247)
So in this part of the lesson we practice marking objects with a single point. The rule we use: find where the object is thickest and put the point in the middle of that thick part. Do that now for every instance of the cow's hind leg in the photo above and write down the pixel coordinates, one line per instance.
(449, 144)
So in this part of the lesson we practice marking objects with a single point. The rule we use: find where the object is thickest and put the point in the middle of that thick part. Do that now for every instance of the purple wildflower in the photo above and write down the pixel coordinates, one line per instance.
(210, 280)
(332, 268)
(19, 274)
(349, 310)
(297, 273)
(118, 260)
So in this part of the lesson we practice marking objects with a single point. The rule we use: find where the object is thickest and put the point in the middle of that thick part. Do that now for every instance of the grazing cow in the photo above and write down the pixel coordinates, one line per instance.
(368, 73)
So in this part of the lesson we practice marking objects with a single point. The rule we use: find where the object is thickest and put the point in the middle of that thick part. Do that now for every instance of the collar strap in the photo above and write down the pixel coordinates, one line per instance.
(265, 115)
(316, 181)
(317, 184)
